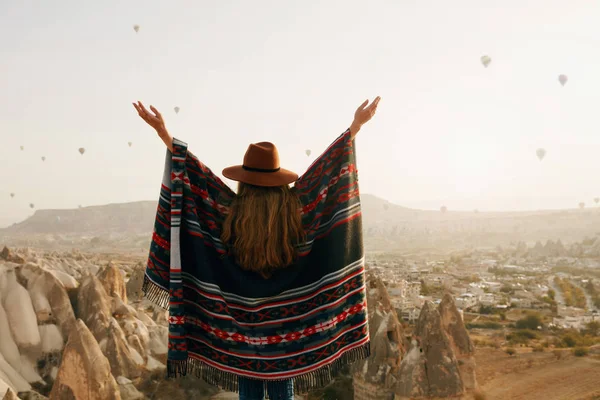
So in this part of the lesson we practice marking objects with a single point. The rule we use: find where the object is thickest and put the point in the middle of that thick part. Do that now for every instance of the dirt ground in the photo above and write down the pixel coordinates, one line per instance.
(537, 376)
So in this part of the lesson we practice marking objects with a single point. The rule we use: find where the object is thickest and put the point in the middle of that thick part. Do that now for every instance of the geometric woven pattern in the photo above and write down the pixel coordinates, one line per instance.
(305, 322)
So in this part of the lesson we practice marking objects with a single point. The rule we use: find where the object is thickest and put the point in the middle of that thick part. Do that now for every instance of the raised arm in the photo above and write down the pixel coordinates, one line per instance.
(363, 114)
(155, 120)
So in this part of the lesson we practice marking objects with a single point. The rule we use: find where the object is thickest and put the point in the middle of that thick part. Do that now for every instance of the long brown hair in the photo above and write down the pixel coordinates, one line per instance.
(263, 228)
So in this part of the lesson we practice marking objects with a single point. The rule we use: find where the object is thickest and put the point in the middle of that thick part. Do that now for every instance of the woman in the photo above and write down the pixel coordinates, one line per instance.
(265, 288)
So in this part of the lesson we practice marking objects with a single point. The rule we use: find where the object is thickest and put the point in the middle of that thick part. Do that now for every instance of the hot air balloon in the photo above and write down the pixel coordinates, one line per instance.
(597, 200)
(81, 150)
(563, 79)
(136, 28)
(12, 195)
(307, 152)
(385, 206)
(443, 209)
(176, 110)
(486, 60)
(43, 158)
(129, 143)
(541, 153)
(31, 205)
(79, 206)
(22, 148)
(581, 205)
(476, 211)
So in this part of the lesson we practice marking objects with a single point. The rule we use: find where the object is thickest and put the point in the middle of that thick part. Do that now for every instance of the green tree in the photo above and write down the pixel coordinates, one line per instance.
(569, 340)
(531, 321)
(506, 289)
(593, 328)
(425, 289)
(580, 352)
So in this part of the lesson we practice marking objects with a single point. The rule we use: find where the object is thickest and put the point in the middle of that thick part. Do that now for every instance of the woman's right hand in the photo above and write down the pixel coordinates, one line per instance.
(156, 121)
(363, 115)
(154, 118)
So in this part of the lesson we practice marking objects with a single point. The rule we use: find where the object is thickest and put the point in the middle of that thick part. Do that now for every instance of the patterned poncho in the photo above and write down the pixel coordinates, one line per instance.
(305, 322)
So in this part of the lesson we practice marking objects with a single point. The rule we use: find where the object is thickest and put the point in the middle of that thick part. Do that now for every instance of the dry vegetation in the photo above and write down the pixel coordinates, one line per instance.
(573, 295)
(528, 375)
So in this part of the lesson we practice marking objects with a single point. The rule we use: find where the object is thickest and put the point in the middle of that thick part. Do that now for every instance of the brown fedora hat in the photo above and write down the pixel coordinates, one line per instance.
(261, 167)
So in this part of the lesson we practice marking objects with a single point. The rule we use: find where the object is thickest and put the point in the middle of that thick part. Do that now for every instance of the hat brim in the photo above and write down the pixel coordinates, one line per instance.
(268, 179)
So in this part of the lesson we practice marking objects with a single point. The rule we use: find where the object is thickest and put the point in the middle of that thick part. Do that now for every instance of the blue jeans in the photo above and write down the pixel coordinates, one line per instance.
(252, 389)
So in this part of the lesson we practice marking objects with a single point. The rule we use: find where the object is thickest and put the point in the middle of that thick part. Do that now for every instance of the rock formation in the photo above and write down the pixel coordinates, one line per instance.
(7, 255)
(460, 341)
(134, 284)
(431, 367)
(440, 357)
(45, 286)
(37, 302)
(84, 373)
(112, 280)
(376, 376)
(20, 313)
(94, 306)
(9, 394)
(123, 361)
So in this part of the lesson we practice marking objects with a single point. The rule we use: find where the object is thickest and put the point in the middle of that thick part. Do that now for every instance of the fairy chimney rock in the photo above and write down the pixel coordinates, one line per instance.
(94, 306)
(84, 372)
(113, 282)
(460, 341)
(430, 368)
(375, 376)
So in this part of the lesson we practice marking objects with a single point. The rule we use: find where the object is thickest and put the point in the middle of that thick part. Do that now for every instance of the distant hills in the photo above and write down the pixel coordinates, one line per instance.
(386, 225)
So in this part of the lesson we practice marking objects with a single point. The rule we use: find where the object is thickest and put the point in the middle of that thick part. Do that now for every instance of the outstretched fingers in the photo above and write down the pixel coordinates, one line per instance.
(141, 106)
(155, 111)
(375, 103)
(373, 106)
(139, 110)
(363, 105)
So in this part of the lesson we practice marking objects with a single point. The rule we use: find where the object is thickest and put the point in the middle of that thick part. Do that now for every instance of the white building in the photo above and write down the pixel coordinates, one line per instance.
(488, 299)
(573, 322)
(493, 286)
(410, 315)
(466, 300)
(413, 289)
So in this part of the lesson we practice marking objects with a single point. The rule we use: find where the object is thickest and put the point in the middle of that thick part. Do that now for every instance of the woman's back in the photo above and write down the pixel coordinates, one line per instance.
(235, 330)
(263, 228)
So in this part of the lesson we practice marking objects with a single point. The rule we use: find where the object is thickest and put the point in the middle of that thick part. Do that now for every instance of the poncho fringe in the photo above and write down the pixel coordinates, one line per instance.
(313, 319)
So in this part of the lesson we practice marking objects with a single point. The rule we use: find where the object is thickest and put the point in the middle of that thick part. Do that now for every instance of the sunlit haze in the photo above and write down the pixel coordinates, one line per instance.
(447, 132)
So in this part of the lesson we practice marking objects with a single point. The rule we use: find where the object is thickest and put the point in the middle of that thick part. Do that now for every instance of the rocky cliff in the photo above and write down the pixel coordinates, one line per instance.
(436, 361)
(440, 361)
(69, 329)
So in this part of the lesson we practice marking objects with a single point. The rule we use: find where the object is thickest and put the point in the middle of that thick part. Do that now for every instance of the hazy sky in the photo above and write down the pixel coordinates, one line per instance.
(448, 131)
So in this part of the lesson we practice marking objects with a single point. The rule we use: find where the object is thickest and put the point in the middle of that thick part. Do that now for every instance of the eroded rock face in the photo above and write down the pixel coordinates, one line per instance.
(50, 289)
(387, 349)
(463, 347)
(443, 375)
(113, 282)
(84, 373)
(430, 367)
(94, 306)
(134, 284)
(412, 377)
(9, 256)
(10, 395)
(128, 391)
(20, 313)
(122, 362)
